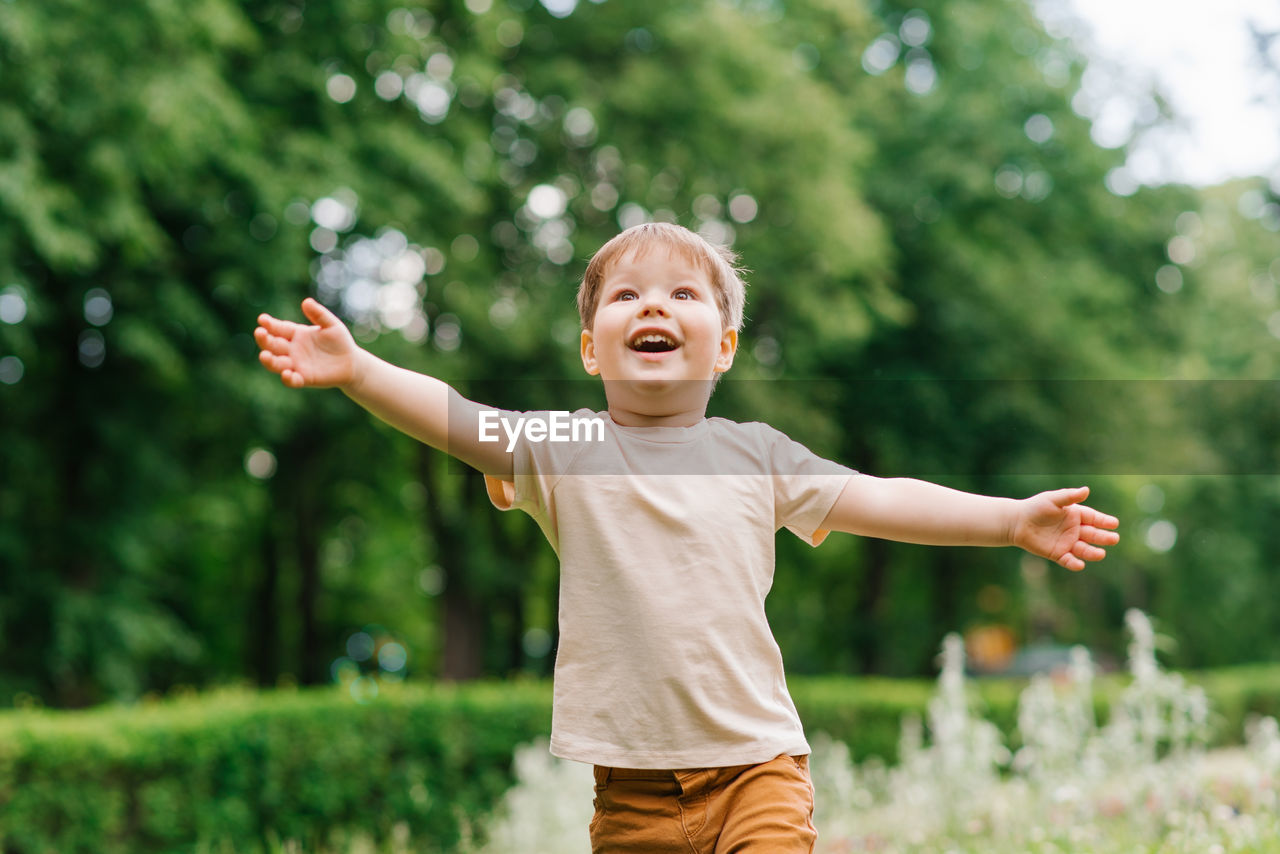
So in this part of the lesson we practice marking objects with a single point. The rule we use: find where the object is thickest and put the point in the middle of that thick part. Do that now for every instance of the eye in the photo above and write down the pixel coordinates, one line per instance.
(624, 295)
(684, 293)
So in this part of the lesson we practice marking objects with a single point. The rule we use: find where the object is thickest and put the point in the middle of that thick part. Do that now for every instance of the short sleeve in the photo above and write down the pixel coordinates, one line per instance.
(536, 468)
(805, 487)
(522, 492)
(502, 493)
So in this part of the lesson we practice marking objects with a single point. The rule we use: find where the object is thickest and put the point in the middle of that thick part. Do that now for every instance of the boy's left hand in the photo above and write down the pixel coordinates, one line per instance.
(1055, 525)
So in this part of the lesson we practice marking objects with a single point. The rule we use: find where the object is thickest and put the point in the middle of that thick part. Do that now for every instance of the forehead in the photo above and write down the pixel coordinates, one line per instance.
(658, 256)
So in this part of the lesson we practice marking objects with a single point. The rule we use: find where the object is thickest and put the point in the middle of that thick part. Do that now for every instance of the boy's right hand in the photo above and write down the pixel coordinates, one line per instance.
(319, 356)
(324, 355)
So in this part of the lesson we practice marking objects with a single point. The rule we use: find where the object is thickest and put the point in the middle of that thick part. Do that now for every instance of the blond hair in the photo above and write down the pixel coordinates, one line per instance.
(718, 262)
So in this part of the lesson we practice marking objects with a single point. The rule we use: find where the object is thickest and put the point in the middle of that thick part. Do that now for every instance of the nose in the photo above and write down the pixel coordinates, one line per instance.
(652, 306)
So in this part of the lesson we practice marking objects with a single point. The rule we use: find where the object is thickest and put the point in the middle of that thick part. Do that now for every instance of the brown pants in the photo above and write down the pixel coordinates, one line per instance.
(743, 808)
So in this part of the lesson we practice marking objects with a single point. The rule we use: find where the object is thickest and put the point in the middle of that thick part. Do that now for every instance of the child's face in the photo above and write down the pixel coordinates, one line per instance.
(657, 324)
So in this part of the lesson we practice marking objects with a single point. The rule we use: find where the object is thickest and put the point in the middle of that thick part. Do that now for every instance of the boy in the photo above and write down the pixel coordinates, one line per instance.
(667, 677)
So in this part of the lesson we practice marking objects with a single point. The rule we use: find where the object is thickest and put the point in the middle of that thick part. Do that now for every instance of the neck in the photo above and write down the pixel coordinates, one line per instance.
(679, 404)
(628, 418)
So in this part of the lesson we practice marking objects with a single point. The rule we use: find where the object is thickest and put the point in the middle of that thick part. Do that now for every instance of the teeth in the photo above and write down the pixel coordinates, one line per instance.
(653, 342)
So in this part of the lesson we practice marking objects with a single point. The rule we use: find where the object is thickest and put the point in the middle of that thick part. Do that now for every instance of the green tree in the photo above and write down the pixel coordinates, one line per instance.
(939, 281)
(152, 153)
(209, 162)
(1022, 276)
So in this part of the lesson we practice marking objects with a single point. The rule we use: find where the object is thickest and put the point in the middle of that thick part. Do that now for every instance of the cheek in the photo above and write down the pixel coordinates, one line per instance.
(606, 327)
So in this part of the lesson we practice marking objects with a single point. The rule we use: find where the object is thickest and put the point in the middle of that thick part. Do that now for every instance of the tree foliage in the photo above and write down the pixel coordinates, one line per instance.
(941, 284)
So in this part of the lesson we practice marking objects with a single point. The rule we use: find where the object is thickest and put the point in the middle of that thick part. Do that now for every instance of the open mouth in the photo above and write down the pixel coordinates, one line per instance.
(653, 342)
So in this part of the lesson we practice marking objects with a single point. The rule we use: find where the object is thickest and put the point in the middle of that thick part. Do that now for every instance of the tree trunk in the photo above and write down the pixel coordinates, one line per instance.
(310, 656)
(944, 587)
(869, 603)
(462, 654)
(264, 636)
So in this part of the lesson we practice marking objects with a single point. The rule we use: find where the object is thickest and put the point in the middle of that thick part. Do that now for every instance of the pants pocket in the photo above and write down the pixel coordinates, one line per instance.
(599, 806)
(693, 812)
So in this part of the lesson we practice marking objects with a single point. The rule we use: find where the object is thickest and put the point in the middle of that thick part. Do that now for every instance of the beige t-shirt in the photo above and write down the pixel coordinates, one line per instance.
(666, 543)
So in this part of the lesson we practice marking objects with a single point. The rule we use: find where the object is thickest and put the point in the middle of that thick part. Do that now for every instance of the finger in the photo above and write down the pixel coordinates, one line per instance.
(275, 363)
(271, 343)
(1099, 520)
(1084, 551)
(318, 314)
(1069, 496)
(292, 378)
(275, 326)
(279, 346)
(1071, 562)
(1097, 537)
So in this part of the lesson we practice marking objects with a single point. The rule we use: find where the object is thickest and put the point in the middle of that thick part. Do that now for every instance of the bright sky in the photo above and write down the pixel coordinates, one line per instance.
(1202, 56)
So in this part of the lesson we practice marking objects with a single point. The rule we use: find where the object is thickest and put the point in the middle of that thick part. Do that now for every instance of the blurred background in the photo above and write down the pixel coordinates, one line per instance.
(981, 251)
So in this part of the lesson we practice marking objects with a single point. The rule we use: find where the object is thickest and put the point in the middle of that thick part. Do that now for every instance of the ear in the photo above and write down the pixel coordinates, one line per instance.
(589, 353)
(728, 347)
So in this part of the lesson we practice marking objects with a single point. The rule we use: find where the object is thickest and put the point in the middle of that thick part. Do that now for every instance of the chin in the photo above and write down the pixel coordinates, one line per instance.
(659, 393)
(647, 386)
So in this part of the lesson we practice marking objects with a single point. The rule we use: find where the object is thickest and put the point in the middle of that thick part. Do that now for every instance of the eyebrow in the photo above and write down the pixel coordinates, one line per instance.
(679, 284)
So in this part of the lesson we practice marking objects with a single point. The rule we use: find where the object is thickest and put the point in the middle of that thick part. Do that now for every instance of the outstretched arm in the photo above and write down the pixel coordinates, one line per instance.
(1052, 525)
(324, 355)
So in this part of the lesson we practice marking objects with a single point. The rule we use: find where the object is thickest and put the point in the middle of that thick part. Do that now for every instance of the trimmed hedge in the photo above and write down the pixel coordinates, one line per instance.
(239, 771)
(866, 713)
